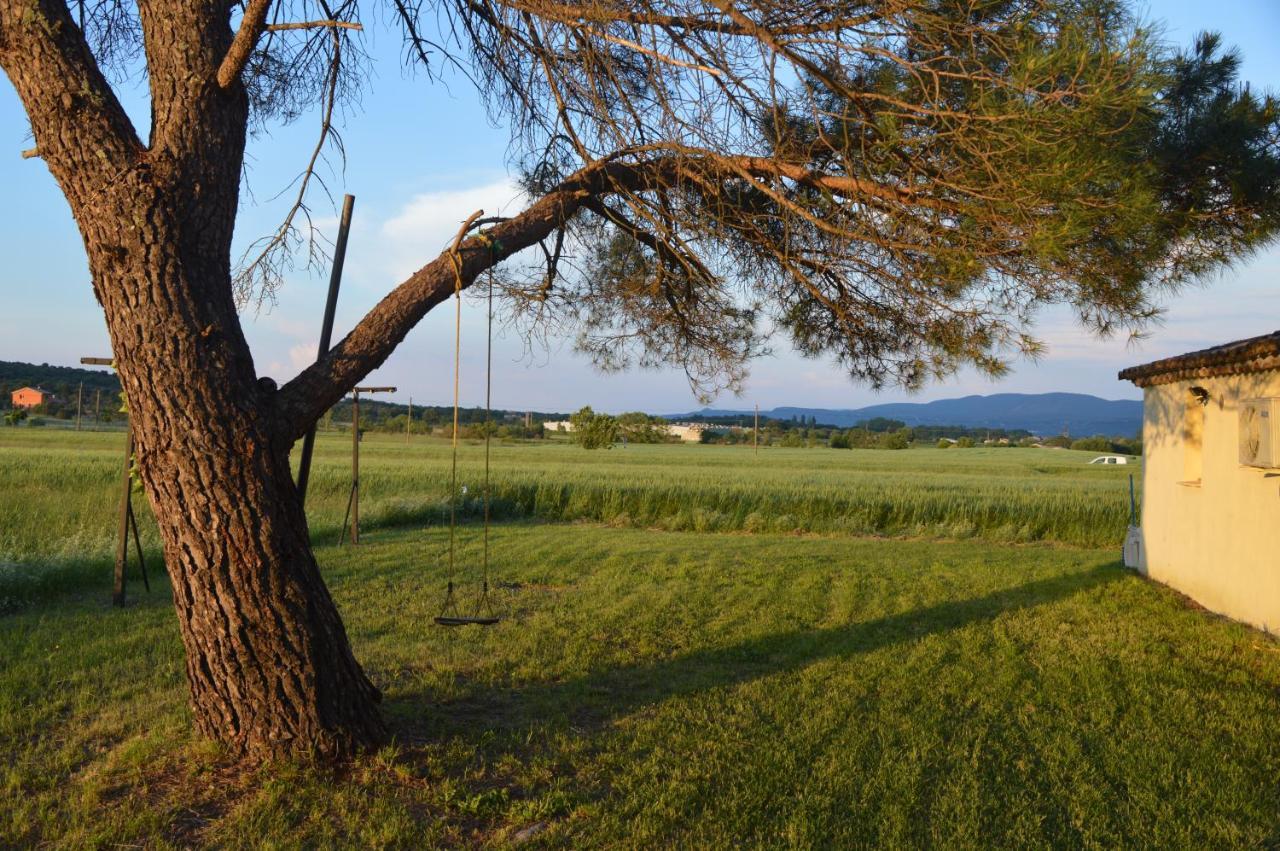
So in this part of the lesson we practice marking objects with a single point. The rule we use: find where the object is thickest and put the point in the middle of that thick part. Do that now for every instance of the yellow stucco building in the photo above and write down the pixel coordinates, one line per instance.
(1211, 477)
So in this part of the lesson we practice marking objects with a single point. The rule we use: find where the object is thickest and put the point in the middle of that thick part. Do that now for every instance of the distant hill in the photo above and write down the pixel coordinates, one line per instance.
(15, 374)
(1039, 413)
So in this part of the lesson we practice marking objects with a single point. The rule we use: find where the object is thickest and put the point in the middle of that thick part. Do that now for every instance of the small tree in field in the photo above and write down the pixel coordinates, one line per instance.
(592, 430)
(898, 184)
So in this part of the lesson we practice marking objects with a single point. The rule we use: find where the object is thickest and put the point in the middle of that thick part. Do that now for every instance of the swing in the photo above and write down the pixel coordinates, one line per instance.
(482, 614)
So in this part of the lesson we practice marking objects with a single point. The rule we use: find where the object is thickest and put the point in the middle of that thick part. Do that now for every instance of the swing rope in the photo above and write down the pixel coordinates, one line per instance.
(450, 606)
(449, 614)
(483, 603)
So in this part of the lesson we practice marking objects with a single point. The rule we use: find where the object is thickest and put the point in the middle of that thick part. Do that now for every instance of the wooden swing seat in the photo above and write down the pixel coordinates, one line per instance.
(447, 620)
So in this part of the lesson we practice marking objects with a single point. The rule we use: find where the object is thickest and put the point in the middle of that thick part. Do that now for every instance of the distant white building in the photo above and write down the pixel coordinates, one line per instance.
(687, 432)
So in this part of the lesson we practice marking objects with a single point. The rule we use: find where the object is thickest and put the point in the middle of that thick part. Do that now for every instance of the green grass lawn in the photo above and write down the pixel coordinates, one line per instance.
(669, 672)
(653, 689)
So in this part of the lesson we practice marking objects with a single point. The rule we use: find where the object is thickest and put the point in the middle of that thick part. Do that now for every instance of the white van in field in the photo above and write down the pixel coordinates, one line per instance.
(1110, 459)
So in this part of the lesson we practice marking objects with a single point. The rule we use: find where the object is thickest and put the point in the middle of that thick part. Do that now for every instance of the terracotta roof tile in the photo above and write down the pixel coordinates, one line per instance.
(1252, 355)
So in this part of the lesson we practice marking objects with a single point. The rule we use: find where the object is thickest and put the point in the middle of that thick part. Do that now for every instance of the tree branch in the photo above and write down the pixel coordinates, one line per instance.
(304, 399)
(80, 128)
(252, 26)
(605, 15)
(314, 25)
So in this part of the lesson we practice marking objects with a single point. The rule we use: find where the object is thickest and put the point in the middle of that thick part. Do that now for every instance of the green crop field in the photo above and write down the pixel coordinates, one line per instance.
(949, 655)
(68, 484)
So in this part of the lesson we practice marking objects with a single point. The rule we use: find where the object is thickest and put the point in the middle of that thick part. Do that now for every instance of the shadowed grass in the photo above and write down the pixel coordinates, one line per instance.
(651, 689)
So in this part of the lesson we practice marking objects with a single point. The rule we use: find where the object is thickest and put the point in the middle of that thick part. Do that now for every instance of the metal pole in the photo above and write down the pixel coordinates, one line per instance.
(79, 403)
(326, 333)
(122, 545)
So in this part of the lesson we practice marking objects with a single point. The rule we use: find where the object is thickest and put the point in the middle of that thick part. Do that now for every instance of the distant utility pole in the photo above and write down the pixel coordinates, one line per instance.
(755, 433)
(409, 422)
(79, 403)
(97, 407)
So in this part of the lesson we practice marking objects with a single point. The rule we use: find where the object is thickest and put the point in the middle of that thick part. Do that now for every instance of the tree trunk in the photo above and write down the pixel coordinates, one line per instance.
(269, 665)
(270, 669)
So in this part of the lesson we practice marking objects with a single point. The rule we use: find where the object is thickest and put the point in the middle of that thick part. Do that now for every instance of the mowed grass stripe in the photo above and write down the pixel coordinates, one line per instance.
(657, 689)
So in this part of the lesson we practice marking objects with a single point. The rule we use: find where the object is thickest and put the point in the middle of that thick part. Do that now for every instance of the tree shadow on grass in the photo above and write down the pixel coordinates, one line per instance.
(589, 703)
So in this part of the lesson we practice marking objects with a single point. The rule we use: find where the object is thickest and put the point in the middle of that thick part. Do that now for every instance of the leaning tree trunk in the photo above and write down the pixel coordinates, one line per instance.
(270, 669)
(268, 661)
(269, 665)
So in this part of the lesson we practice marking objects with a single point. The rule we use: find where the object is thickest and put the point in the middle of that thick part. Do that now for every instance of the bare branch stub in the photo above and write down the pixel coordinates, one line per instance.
(314, 25)
(251, 28)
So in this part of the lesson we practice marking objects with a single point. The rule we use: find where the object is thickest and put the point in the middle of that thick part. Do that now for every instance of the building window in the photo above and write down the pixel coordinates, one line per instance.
(1192, 438)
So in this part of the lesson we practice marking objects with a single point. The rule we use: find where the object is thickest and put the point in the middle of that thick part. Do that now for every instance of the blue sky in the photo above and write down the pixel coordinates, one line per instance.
(421, 157)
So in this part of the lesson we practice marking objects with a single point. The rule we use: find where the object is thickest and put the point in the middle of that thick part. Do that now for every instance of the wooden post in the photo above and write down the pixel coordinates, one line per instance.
(326, 333)
(97, 407)
(408, 424)
(122, 543)
(355, 467)
(353, 501)
(79, 403)
(126, 506)
(755, 434)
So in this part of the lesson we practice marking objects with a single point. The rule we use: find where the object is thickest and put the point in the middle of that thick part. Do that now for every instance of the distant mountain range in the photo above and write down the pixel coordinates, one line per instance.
(1040, 413)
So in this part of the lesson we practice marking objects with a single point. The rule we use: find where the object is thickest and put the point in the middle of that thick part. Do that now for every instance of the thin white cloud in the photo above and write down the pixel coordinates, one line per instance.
(426, 224)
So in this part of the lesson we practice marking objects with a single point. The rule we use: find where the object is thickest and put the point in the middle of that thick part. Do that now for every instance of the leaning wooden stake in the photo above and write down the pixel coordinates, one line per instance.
(126, 508)
(326, 334)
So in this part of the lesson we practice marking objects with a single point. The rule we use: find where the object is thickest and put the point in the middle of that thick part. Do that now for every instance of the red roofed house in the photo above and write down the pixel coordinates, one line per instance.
(30, 397)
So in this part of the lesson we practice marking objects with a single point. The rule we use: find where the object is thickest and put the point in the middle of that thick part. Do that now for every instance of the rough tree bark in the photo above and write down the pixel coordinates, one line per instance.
(270, 668)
